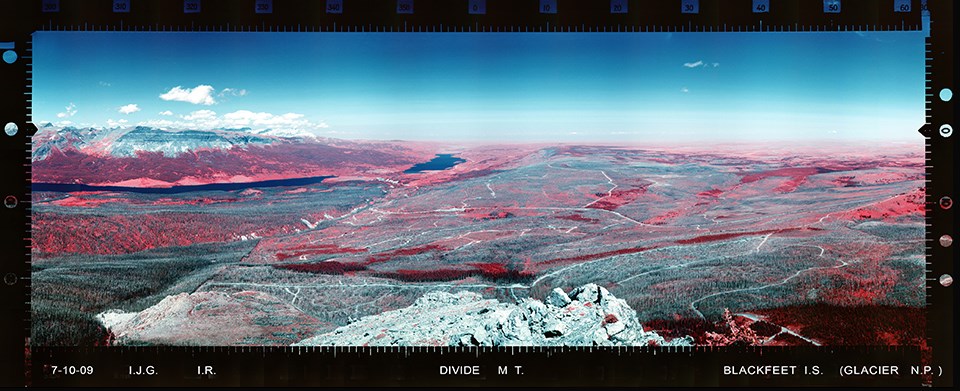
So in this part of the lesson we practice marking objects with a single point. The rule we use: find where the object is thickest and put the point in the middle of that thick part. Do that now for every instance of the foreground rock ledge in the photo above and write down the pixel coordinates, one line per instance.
(588, 315)
(245, 318)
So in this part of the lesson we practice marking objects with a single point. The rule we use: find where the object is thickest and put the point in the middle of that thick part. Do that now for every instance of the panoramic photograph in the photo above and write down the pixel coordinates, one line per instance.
(478, 189)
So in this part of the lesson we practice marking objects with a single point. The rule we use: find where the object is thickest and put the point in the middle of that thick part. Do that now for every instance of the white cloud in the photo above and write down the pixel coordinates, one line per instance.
(163, 123)
(258, 122)
(246, 118)
(104, 84)
(202, 119)
(166, 112)
(111, 123)
(200, 115)
(684, 90)
(70, 110)
(199, 95)
(233, 92)
(129, 109)
(701, 64)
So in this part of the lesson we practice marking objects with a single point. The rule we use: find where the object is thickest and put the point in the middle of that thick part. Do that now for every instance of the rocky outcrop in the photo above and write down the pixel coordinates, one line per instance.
(211, 318)
(588, 315)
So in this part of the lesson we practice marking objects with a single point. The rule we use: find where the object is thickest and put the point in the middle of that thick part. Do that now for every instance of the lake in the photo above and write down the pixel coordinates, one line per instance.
(442, 161)
(73, 187)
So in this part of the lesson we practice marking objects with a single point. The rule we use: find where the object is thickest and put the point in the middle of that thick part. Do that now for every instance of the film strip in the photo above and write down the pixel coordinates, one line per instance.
(477, 366)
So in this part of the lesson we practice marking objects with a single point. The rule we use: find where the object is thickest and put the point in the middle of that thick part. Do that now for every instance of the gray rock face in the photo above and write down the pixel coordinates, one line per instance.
(588, 315)
(558, 297)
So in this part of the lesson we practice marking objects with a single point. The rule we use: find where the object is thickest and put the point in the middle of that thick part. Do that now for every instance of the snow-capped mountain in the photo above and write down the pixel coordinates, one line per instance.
(125, 142)
(173, 143)
(48, 138)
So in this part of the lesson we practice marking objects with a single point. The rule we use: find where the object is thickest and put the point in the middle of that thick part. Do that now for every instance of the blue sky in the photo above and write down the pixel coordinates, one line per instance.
(491, 87)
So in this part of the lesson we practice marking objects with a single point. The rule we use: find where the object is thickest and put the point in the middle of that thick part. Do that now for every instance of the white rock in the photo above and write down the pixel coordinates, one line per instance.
(468, 319)
(614, 328)
(589, 293)
(558, 298)
(554, 328)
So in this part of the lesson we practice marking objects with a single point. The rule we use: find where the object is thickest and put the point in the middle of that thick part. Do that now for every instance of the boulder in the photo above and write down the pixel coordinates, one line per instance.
(558, 298)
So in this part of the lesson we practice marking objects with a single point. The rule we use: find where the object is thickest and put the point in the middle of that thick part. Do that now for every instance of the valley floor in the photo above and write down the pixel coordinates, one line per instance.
(787, 241)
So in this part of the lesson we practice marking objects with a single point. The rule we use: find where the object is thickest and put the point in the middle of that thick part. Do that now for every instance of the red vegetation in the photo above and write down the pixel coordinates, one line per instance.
(490, 271)
(501, 272)
(854, 325)
(512, 249)
(319, 249)
(328, 267)
(403, 252)
(108, 338)
(728, 330)
(734, 333)
(710, 193)
(797, 176)
(497, 215)
(476, 213)
(723, 236)
(82, 202)
(845, 181)
(427, 275)
(790, 185)
(911, 203)
(680, 327)
(196, 201)
(869, 282)
(731, 235)
(664, 218)
(55, 233)
(795, 172)
(764, 329)
(578, 217)
(288, 160)
(87, 199)
(618, 198)
(589, 257)
(610, 318)
(490, 268)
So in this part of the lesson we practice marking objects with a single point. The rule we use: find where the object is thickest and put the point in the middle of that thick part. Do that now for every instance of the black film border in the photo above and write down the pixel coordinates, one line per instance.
(21, 18)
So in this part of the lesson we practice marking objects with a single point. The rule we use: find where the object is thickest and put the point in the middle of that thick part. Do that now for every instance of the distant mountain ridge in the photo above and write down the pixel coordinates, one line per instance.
(143, 156)
(127, 142)
(173, 143)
